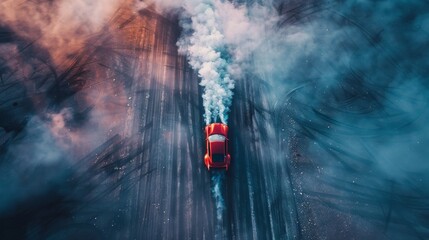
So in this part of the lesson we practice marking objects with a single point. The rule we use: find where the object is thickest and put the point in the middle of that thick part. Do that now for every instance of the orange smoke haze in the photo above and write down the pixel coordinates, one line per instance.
(60, 26)
(101, 51)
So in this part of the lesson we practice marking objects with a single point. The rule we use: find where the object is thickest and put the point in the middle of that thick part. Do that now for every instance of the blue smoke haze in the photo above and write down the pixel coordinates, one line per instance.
(349, 77)
(218, 182)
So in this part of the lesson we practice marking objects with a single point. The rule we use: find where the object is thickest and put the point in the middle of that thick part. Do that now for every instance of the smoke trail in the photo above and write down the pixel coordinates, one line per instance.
(217, 182)
(204, 44)
(206, 50)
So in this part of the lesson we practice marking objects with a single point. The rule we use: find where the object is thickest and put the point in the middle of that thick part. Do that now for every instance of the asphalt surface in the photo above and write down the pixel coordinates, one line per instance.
(166, 191)
(175, 200)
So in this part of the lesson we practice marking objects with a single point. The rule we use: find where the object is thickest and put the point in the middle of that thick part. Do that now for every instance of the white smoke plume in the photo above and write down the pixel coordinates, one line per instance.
(219, 38)
(207, 53)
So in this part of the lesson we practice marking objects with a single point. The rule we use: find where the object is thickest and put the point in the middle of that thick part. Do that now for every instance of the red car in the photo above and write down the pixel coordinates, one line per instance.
(217, 155)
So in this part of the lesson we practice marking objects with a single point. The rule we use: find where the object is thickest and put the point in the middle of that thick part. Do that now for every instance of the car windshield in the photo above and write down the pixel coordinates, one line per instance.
(216, 138)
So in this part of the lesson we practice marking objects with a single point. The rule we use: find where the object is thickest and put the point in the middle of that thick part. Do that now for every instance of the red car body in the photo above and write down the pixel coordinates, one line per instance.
(217, 154)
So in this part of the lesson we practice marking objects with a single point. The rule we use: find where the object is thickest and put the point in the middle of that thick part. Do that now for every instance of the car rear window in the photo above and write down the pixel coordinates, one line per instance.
(216, 138)
(218, 157)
